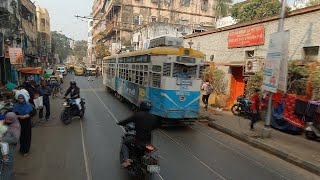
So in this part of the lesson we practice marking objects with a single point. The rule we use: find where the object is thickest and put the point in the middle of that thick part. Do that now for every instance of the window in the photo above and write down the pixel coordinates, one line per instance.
(153, 19)
(204, 5)
(183, 71)
(311, 53)
(137, 20)
(249, 54)
(43, 24)
(184, 22)
(185, 2)
(167, 69)
(166, 20)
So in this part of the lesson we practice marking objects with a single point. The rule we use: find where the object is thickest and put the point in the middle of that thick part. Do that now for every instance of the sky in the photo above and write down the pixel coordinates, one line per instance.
(62, 18)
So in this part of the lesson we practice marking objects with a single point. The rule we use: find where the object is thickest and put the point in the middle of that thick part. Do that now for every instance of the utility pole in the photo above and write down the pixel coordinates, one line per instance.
(266, 131)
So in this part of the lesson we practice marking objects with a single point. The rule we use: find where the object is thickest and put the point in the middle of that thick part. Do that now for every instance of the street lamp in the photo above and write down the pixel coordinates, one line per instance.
(190, 43)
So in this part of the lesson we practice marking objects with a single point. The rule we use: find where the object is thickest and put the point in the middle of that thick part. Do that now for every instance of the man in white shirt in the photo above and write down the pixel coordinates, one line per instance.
(207, 88)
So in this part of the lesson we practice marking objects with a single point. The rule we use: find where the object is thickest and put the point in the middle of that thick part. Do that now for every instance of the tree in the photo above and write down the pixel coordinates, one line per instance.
(222, 8)
(313, 2)
(101, 51)
(255, 9)
(61, 45)
(80, 49)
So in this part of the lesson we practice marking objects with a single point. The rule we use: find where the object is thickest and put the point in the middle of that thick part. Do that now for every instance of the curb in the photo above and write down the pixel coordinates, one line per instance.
(314, 168)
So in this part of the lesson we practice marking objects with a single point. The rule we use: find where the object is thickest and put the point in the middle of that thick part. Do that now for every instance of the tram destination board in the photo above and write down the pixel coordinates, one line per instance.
(186, 59)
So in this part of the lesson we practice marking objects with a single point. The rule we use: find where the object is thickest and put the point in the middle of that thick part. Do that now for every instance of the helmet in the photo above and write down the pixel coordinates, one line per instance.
(73, 83)
(145, 106)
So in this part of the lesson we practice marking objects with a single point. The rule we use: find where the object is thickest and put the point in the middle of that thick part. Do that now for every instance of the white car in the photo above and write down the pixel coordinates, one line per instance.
(62, 70)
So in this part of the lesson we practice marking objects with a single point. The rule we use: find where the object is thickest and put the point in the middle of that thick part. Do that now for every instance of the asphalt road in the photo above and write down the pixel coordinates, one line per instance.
(90, 148)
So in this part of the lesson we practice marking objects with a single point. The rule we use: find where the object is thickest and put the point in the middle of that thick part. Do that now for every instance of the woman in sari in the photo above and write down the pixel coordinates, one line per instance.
(23, 109)
(11, 137)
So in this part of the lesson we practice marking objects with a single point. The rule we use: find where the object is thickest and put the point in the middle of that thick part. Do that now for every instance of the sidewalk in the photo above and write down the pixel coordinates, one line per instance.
(294, 149)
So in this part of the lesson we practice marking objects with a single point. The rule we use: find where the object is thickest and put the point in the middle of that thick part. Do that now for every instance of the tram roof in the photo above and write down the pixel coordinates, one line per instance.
(159, 51)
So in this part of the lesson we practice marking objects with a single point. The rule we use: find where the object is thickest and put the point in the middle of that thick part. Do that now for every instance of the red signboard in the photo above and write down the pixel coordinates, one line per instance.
(251, 36)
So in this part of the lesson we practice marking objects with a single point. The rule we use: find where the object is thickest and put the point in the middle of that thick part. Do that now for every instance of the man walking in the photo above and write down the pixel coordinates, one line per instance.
(45, 92)
(208, 89)
(255, 104)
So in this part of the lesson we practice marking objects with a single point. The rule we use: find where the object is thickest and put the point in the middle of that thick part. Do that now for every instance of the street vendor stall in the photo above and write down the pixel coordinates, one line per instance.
(30, 73)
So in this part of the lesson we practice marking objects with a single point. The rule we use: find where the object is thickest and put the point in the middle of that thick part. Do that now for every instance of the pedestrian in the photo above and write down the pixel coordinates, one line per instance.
(97, 72)
(11, 137)
(23, 110)
(45, 92)
(208, 89)
(255, 104)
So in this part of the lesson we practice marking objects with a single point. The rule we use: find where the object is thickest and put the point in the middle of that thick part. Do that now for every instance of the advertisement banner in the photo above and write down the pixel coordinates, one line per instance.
(2, 50)
(277, 52)
(251, 36)
(15, 55)
(283, 75)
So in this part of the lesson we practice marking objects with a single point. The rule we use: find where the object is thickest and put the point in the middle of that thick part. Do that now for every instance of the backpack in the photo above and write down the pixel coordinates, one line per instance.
(209, 89)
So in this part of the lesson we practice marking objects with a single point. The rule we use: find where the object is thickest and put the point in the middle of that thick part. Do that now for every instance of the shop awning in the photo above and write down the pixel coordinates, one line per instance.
(31, 70)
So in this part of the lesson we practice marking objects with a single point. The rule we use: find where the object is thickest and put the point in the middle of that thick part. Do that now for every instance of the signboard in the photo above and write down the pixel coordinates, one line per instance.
(251, 36)
(15, 55)
(2, 50)
(277, 53)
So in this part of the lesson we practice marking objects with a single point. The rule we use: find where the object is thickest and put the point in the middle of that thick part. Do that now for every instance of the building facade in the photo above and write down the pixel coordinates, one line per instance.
(90, 57)
(44, 35)
(115, 20)
(232, 48)
(30, 35)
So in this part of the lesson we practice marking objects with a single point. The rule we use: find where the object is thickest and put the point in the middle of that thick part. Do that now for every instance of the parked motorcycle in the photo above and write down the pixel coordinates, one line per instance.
(145, 163)
(71, 110)
(242, 107)
(312, 131)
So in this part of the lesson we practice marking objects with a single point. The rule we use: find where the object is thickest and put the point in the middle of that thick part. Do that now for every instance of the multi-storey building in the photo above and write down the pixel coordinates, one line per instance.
(44, 34)
(115, 20)
(30, 35)
(91, 58)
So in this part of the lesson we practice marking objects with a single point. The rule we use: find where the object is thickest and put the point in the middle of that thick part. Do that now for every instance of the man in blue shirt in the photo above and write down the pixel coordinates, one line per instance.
(45, 92)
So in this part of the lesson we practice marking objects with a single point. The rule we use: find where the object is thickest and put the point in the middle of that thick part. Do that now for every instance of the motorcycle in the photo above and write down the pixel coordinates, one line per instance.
(242, 107)
(312, 131)
(71, 110)
(145, 163)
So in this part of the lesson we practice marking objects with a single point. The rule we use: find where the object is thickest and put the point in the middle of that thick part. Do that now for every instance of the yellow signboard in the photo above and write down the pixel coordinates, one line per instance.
(15, 55)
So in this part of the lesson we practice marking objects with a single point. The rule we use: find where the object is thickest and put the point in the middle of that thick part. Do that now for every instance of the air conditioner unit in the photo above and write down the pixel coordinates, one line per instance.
(252, 66)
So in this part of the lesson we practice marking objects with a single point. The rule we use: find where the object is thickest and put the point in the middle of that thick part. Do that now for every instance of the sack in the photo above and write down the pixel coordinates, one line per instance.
(38, 103)
(209, 89)
(24, 92)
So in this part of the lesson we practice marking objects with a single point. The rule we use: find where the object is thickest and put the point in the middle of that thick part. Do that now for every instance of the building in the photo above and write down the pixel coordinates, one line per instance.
(233, 48)
(91, 58)
(44, 35)
(30, 34)
(115, 20)
(141, 36)
(10, 37)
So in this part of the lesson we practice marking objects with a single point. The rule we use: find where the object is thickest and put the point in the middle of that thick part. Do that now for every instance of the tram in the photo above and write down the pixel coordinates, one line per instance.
(168, 77)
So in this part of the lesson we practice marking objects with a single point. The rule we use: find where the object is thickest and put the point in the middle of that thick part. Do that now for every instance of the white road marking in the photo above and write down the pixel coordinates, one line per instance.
(114, 118)
(85, 155)
(237, 152)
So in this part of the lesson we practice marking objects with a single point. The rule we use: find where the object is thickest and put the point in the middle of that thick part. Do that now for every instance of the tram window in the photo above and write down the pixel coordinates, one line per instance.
(183, 71)
(167, 69)
(156, 80)
(156, 68)
(145, 82)
(145, 67)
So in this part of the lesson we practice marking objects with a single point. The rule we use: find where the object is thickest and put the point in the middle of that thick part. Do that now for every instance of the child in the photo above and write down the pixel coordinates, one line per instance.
(4, 146)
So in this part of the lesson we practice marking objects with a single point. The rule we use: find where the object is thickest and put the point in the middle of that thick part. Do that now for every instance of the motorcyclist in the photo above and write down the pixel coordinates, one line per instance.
(74, 92)
(144, 123)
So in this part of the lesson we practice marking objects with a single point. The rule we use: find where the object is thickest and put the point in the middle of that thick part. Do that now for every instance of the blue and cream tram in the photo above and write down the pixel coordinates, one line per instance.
(169, 77)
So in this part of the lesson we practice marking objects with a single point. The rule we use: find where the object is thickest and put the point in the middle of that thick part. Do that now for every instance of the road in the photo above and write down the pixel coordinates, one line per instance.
(89, 149)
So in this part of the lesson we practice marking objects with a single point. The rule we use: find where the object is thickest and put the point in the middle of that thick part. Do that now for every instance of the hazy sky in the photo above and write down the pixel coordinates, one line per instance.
(62, 16)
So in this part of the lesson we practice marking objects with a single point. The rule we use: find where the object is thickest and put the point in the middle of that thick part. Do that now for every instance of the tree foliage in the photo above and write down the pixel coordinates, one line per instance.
(297, 78)
(313, 2)
(255, 9)
(217, 78)
(254, 82)
(222, 8)
(80, 49)
(315, 82)
(61, 45)
(101, 51)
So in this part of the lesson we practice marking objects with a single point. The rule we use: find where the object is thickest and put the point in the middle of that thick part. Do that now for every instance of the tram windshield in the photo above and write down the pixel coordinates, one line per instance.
(184, 71)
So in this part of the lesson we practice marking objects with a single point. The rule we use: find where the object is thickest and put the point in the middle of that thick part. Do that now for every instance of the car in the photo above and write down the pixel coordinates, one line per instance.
(78, 71)
(62, 70)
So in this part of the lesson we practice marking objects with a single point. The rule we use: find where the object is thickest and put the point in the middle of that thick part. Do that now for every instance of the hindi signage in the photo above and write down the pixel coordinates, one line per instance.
(251, 36)
(15, 55)
(275, 76)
